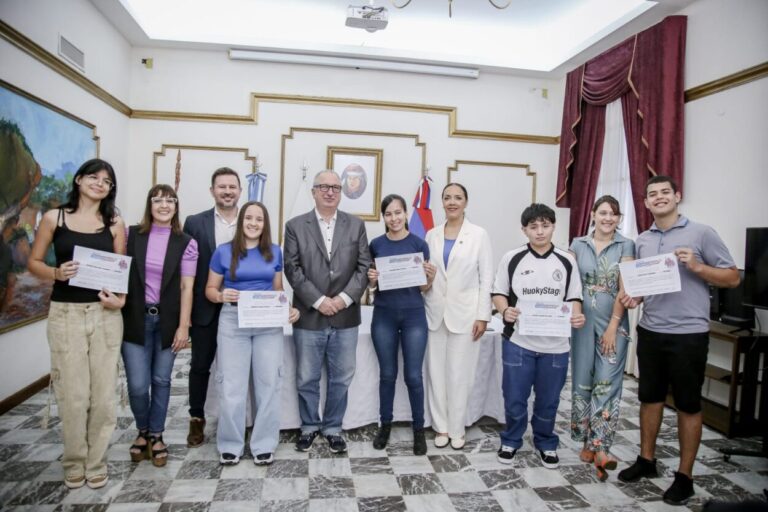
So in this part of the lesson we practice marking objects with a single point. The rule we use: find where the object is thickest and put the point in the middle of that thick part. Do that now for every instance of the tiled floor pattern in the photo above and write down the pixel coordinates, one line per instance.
(364, 479)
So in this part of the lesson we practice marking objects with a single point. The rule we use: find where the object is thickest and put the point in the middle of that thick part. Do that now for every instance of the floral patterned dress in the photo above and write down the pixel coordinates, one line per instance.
(597, 378)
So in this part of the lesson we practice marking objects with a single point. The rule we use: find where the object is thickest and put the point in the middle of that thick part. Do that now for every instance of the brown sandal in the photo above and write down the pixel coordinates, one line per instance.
(160, 456)
(139, 452)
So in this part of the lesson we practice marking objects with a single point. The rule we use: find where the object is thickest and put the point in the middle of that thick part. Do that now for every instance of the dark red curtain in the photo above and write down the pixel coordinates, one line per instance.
(646, 73)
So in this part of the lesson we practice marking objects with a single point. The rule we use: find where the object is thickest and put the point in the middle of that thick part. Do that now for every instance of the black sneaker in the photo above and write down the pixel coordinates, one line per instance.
(336, 443)
(228, 459)
(419, 442)
(549, 459)
(305, 441)
(263, 459)
(641, 468)
(680, 490)
(382, 436)
(506, 454)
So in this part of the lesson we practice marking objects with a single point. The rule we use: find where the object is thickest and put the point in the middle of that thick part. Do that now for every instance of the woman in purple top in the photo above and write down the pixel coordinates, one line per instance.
(156, 316)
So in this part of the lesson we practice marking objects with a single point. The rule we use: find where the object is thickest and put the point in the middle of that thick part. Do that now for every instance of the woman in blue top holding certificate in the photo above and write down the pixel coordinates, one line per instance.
(251, 262)
(399, 319)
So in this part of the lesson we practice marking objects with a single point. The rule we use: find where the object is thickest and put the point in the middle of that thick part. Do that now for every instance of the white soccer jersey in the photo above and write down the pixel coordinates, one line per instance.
(525, 274)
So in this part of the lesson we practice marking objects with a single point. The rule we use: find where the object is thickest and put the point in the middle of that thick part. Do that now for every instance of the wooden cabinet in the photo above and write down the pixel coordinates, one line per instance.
(749, 353)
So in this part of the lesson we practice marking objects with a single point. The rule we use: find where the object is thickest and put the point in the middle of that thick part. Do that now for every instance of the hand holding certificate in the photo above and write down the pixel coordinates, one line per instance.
(401, 271)
(539, 318)
(262, 309)
(651, 276)
(100, 270)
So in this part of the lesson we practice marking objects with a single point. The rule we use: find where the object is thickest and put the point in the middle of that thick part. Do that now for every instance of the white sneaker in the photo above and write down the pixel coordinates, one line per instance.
(228, 459)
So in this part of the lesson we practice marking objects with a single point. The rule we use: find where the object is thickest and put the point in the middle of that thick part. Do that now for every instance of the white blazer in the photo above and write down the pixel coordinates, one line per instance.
(462, 294)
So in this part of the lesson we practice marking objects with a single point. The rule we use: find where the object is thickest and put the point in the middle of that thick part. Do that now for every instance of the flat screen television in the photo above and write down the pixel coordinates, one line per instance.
(727, 306)
(756, 268)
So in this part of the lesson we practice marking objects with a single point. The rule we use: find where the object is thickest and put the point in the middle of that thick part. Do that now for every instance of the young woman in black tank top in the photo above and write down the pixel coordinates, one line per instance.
(85, 327)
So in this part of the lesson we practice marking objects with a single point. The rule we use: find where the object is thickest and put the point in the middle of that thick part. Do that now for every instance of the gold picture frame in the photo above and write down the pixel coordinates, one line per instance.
(360, 171)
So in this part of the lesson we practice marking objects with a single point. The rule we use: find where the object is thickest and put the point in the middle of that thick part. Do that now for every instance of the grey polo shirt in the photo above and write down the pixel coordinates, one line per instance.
(686, 311)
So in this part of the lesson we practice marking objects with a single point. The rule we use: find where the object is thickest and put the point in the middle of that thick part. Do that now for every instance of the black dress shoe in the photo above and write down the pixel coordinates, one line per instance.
(382, 436)
(419, 442)
(641, 468)
(305, 441)
(680, 490)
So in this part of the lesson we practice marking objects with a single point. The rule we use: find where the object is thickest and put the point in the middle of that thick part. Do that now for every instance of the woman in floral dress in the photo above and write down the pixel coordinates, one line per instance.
(599, 349)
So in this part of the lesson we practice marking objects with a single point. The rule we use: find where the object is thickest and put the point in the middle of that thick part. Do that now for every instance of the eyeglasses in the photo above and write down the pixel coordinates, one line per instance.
(164, 200)
(325, 188)
(92, 179)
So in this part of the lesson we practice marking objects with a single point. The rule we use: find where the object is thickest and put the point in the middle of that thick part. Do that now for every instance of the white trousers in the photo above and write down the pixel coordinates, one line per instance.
(451, 361)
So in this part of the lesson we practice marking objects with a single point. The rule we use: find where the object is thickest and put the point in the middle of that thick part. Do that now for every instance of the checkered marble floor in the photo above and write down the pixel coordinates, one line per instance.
(364, 479)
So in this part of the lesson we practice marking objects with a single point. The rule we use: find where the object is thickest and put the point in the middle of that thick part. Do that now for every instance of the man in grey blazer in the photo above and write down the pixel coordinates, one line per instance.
(326, 262)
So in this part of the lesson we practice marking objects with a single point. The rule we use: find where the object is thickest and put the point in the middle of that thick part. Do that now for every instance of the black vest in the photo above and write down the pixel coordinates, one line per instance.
(170, 288)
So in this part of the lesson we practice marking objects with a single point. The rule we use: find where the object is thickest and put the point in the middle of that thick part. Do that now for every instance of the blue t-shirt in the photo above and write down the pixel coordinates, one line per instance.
(447, 248)
(404, 297)
(253, 273)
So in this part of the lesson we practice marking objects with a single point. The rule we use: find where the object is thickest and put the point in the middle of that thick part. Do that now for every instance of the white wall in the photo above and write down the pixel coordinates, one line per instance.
(24, 355)
(724, 185)
(725, 175)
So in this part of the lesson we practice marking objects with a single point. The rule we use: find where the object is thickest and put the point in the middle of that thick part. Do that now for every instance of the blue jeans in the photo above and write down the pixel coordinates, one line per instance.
(337, 348)
(546, 373)
(146, 365)
(239, 352)
(391, 327)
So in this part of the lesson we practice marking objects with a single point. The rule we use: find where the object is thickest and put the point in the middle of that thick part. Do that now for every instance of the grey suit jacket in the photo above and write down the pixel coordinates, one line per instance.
(313, 275)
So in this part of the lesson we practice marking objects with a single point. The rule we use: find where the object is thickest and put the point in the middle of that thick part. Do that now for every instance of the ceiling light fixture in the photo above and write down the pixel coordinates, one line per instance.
(350, 62)
(450, 5)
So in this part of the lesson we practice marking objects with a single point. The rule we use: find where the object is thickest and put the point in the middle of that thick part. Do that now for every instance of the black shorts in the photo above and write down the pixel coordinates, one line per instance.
(678, 360)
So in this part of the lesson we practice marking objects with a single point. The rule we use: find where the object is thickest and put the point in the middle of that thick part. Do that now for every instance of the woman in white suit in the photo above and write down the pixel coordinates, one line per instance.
(458, 307)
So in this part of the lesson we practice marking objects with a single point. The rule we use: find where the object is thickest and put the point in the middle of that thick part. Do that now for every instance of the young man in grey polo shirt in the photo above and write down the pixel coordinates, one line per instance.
(673, 333)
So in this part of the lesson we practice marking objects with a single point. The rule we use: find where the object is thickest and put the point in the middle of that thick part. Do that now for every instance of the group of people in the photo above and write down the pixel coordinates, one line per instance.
(184, 286)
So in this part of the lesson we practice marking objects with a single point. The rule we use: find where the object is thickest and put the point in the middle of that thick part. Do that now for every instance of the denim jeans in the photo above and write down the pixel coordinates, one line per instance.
(546, 373)
(391, 327)
(337, 348)
(240, 352)
(149, 366)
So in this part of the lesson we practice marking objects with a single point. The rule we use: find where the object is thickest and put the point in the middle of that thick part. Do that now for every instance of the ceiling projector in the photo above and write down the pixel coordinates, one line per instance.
(368, 17)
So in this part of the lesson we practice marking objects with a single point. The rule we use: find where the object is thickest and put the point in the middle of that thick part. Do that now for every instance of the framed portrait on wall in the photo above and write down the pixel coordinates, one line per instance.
(41, 148)
(360, 172)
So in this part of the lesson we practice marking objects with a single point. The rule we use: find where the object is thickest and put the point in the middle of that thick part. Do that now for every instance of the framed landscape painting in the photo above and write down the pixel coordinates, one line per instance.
(41, 147)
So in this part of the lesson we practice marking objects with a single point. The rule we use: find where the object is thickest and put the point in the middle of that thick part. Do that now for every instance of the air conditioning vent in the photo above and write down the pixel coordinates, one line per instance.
(71, 53)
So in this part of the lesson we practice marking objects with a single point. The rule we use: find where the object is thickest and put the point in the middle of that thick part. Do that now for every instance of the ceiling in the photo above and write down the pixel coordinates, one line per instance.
(530, 37)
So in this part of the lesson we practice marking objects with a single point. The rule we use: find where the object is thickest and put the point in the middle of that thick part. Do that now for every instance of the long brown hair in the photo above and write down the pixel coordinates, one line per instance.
(160, 190)
(239, 249)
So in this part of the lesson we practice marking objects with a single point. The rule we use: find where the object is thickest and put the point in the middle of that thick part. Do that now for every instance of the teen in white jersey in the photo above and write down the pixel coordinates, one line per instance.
(536, 271)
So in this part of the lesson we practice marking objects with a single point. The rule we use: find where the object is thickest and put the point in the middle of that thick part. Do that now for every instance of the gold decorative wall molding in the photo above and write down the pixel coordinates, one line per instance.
(727, 82)
(25, 44)
(246, 156)
(255, 98)
(294, 130)
(525, 167)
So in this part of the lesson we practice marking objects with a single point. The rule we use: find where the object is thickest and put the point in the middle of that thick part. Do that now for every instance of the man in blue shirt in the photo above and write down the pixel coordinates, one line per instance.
(673, 333)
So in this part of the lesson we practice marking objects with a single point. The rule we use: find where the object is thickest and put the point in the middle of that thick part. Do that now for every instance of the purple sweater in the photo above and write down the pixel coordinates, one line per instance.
(156, 247)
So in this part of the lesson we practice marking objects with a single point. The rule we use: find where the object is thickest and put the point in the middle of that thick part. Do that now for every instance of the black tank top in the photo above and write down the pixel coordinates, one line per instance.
(64, 242)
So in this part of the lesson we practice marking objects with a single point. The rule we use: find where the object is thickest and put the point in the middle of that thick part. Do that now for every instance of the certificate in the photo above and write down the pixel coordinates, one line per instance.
(401, 271)
(651, 276)
(262, 309)
(539, 318)
(101, 270)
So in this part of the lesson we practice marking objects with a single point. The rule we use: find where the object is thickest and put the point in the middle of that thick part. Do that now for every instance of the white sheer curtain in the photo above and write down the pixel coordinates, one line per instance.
(614, 180)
